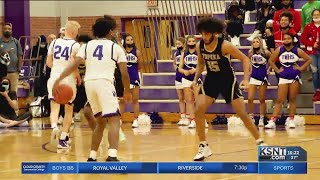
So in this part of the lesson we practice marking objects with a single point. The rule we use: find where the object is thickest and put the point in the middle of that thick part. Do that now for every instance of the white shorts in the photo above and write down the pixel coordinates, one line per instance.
(289, 81)
(178, 85)
(102, 97)
(70, 81)
(186, 83)
(258, 82)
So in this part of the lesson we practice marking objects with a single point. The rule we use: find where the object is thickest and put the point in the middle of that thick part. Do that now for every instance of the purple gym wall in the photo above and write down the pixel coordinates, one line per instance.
(17, 12)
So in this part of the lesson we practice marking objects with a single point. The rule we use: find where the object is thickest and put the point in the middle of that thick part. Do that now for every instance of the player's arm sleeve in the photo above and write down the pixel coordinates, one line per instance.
(119, 54)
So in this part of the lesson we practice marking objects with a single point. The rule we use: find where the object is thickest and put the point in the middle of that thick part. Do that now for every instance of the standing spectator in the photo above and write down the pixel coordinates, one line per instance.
(234, 21)
(296, 23)
(265, 13)
(11, 45)
(285, 21)
(307, 9)
(311, 38)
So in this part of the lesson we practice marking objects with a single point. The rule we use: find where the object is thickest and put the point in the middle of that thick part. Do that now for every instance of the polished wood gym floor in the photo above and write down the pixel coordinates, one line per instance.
(160, 143)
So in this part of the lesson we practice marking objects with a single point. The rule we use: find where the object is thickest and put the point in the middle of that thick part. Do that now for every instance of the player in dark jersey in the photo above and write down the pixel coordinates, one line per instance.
(215, 52)
(259, 77)
(134, 66)
(289, 81)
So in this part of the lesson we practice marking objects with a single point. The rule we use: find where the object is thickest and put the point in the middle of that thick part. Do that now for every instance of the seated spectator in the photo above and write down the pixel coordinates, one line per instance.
(265, 13)
(306, 11)
(278, 4)
(234, 21)
(276, 40)
(296, 22)
(310, 37)
(247, 6)
(8, 101)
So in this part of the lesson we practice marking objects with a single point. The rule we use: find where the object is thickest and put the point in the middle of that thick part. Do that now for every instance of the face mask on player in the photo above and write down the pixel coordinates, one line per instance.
(180, 48)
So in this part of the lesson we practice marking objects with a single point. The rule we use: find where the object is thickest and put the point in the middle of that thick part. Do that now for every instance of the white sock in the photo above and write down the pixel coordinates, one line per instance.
(54, 125)
(187, 116)
(93, 154)
(203, 142)
(262, 117)
(63, 135)
(112, 152)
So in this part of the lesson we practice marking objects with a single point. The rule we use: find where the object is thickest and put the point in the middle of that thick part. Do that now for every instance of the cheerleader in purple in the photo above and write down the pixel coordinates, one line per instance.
(290, 81)
(178, 81)
(259, 77)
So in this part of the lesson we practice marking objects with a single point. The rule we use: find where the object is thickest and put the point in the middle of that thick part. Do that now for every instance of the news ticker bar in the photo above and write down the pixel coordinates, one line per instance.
(163, 167)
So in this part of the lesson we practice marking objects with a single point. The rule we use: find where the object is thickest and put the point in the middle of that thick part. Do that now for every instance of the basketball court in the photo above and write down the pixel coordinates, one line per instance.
(159, 143)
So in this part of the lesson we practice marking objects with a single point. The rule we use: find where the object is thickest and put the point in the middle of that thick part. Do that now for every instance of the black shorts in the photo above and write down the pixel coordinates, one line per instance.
(228, 87)
(118, 83)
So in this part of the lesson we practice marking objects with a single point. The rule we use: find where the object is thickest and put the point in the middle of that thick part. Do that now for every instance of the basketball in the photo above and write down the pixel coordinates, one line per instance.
(65, 95)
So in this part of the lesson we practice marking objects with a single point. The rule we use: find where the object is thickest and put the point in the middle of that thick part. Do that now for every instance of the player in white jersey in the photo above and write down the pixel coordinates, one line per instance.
(100, 57)
(60, 52)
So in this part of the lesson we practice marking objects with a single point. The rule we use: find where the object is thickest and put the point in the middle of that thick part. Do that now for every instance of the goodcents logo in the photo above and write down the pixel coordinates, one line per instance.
(33, 167)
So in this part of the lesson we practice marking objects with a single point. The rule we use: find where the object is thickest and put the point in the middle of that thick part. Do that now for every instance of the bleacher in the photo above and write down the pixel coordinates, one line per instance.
(158, 92)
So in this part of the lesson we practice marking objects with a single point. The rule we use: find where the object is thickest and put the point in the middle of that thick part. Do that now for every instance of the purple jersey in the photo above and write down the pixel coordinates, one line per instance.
(259, 66)
(288, 59)
(190, 61)
(177, 56)
(132, 64)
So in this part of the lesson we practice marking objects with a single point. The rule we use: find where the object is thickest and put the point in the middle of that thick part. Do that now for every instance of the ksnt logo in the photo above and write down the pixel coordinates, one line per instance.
(273, 153)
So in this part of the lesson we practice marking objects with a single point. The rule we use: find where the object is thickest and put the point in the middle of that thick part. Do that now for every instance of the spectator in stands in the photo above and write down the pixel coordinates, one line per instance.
(265, 13)
(276, 40)
(278, 4)
(247, 5)
(61, 32)
(307, 9)
(285, 22)
(9, 104)
(39, 52)
(296, 22)
(50, 38)
(234, 21)
(12, 46)
(310, 37)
